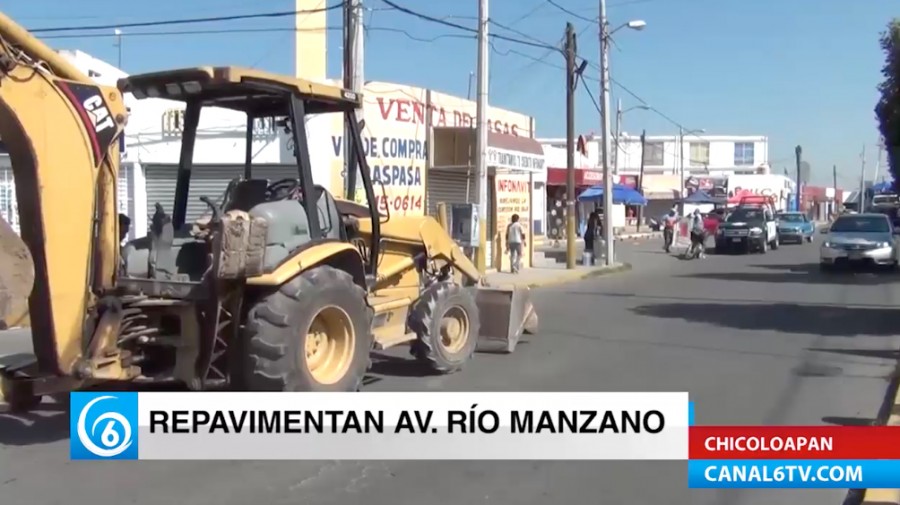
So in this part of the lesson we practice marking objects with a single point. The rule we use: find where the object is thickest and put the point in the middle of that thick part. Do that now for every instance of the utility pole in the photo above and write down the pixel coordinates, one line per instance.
(608, 183)
(353, 74)
(862, 180)
(617, 151)
(834, 187)
(118, 33)
(798, 153)
(679, 152)
(570, 146)
(878, 161)
(641, 178)
(481, 135)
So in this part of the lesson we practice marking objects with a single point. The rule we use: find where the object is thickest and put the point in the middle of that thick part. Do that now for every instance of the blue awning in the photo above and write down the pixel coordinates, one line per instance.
(622, 194)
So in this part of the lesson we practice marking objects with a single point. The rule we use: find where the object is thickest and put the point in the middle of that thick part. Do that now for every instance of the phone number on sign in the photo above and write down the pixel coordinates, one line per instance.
(399, 203)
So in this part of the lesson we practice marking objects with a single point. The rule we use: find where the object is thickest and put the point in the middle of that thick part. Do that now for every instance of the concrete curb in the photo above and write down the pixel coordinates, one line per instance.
(566, 277)
(885, 496)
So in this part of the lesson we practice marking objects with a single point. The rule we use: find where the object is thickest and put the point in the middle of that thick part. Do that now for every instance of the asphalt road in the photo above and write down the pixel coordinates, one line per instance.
(758, 339)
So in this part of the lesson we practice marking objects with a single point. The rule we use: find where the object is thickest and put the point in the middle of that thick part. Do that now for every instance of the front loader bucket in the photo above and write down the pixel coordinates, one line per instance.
(16, 278)
(505, 313)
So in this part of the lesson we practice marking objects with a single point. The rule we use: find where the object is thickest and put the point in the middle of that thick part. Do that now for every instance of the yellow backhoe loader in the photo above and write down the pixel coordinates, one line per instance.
(282, 287)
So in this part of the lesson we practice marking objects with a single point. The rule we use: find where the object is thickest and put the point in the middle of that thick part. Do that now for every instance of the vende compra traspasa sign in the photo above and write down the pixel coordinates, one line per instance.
(513, 160)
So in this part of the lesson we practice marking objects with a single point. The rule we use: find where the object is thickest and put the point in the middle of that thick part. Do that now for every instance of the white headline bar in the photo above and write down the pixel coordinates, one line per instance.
(381, 426)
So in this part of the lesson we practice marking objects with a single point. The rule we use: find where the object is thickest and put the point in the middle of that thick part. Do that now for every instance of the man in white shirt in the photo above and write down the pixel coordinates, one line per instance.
(515, 243)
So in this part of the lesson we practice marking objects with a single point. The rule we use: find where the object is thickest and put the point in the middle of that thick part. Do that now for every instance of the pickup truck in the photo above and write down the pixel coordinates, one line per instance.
(748, 229)
(795, 227)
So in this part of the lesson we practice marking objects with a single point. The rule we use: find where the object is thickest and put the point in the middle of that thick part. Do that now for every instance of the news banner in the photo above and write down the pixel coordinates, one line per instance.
(478, 426)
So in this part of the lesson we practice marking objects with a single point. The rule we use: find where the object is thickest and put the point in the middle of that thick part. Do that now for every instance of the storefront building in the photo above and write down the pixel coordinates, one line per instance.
(514, 165)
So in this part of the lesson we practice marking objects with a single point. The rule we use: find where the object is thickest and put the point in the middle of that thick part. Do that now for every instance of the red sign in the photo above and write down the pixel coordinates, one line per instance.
(558, 177)
(403, 110)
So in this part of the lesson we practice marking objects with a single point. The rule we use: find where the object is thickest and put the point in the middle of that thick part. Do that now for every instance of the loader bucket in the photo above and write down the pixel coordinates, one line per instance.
(16, 278)
(505, 314)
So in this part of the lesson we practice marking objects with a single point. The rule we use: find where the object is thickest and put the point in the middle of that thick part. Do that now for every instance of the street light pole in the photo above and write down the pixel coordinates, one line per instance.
(608, 184)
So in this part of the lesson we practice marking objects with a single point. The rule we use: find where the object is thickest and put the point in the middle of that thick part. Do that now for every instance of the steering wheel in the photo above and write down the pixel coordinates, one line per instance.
(282, 189)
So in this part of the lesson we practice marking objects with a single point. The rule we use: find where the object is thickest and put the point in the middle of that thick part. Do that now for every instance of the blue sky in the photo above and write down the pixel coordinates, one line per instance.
(800, 71)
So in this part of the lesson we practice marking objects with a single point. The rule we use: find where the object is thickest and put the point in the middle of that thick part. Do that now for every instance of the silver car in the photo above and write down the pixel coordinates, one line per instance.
(859, 239)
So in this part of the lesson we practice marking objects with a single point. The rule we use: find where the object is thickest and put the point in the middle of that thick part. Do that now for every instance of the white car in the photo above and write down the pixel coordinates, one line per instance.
(868, 239)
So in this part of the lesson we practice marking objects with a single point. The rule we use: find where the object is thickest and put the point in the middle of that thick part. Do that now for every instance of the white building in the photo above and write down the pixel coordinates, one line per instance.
(706, 155)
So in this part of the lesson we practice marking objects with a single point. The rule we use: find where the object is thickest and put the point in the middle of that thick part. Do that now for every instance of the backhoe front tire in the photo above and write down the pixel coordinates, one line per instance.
(447, 324)
(313, 334)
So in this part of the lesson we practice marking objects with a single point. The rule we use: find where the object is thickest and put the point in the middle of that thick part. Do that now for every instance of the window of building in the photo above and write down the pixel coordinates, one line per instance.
(699, 154)
(653, 154)
(743, 153)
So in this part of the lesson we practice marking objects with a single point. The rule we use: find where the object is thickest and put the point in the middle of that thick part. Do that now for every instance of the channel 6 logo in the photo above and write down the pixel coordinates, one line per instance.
(103, 425)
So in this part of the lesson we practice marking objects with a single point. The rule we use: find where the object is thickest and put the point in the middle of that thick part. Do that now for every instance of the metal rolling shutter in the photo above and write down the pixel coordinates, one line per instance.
(456, 186)
(450, 186)
(206, 180)
(122, 200)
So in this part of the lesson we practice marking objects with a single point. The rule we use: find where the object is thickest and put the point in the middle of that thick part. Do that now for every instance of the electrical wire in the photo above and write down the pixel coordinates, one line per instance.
(219, 31)
(169, 22)
(567, 11)
(426, 17)
(533, 42)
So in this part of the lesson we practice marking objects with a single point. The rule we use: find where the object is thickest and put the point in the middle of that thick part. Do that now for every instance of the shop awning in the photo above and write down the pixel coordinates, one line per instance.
(455, 147)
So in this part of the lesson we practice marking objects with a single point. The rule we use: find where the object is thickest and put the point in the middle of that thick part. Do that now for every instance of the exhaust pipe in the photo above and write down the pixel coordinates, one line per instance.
(506, 313)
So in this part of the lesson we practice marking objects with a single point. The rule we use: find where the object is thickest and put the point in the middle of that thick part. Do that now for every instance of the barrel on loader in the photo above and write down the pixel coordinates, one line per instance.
(280, 286)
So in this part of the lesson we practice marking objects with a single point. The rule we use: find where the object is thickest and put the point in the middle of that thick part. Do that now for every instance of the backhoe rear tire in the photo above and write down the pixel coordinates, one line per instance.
(313, 334)
(447, 324)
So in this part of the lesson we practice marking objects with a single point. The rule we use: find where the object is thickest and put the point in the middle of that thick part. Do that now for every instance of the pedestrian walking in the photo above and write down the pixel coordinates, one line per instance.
(590, 235)
(698, 235)
(669, 222)
(515, 243)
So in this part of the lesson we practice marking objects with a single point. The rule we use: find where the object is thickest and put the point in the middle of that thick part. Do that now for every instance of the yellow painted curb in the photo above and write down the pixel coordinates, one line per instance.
(885, 496)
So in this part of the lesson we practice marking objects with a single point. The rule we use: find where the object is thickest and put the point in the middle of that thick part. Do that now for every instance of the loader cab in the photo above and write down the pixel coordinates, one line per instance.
(298, 213)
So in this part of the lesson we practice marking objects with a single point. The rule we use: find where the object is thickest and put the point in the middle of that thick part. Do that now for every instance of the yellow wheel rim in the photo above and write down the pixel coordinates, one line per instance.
(454, 329)
(329, 345)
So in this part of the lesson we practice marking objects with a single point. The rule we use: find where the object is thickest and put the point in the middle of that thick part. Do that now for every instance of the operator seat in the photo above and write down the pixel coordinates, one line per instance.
(246, 194)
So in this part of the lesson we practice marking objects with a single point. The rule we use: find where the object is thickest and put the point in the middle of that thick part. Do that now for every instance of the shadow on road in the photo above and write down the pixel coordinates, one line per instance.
(395, 366)
(799, 275)
(49, 423)
(834, 321)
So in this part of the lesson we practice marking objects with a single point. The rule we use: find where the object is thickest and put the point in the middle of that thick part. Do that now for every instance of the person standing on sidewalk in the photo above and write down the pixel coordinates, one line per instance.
(515, 243)
(590, 234)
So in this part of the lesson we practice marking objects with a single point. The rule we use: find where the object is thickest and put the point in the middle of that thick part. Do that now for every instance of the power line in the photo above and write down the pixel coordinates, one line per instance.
(567, 11)
(219, 31)
(170, 22)
(426, 17)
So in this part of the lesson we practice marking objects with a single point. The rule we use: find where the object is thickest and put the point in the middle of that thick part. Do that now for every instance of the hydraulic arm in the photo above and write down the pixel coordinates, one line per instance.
(61, 132)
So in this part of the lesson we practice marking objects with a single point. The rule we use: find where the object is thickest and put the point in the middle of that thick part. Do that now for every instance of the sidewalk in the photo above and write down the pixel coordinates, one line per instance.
(550, 276)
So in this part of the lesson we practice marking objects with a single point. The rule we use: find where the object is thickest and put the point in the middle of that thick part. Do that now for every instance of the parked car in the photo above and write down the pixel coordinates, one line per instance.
(748, 229)
(795, 227)
(867, 239)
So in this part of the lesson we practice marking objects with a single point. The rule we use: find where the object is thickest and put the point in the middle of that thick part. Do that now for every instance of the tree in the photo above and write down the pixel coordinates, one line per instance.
(888, 108)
